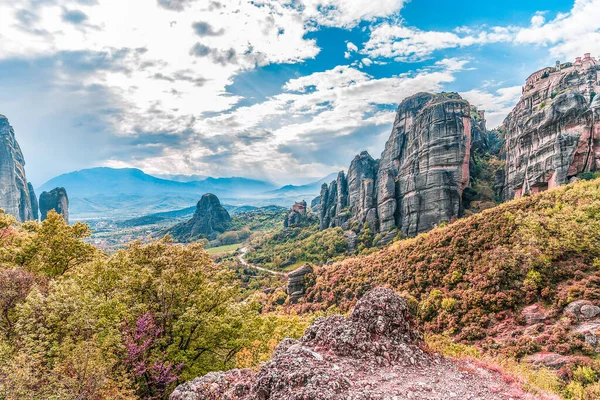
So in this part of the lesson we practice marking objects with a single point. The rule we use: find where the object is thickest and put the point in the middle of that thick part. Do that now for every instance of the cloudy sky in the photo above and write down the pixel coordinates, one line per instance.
(285, 90)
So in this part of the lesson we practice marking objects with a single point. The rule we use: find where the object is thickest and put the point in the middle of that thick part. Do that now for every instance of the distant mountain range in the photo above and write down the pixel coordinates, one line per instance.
(128, 192)
(310, 188)
(103, 180)
(182, 178)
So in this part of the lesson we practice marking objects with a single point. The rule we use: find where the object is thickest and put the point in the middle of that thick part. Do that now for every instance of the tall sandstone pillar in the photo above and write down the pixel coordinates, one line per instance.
(15, 196)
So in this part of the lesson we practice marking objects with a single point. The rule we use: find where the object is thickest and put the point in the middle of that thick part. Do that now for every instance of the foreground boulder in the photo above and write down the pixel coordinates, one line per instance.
(56, 200)
(15, 195)
(373, 354)
(210, 219)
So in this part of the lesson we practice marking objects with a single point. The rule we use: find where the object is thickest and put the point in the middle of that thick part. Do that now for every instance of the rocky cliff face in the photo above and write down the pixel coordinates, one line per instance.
(56, 200)
(35, 207)
(362, 194)
(298, 216)
(553, 134)
(425, 165)
(373, 354)
(420, 179)
(15, 197)
(210, 219)
(297, 282)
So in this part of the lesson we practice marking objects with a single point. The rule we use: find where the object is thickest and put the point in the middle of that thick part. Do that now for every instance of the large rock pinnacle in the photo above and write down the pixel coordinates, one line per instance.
(553, 133)
(210, 219)
(56, 200)
(15, 197)
(420, 178)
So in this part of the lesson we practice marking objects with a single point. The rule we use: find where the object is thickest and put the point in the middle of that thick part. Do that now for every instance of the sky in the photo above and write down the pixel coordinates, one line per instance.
(282, 90)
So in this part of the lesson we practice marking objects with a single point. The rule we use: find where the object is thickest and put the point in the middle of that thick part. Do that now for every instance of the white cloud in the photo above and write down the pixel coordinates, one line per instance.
(538, 19)
(351, 47)
(246, 35)
(331, 106)
(207, 42)
(497, 105)
(568, 35)
(348, 13)
(406, 44)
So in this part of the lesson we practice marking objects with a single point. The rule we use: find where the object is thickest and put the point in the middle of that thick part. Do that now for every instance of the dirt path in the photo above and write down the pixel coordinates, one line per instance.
(242, 253)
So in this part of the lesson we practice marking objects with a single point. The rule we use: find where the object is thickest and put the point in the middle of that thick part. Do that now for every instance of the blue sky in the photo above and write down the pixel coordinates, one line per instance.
(285, 90)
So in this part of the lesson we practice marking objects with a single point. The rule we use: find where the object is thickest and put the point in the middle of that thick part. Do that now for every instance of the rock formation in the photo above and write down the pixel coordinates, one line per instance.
(423, 171)
(373, 354)
(210, 219)
(315, 203)
(553, 134)
(329, 212)
(56, 200)
(362, 195)
(15, 196)
(296, 216)
(296, 282)
(35, 208)
(425, 165)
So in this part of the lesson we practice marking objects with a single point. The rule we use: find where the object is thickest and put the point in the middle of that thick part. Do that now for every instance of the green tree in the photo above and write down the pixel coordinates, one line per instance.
(55, 247)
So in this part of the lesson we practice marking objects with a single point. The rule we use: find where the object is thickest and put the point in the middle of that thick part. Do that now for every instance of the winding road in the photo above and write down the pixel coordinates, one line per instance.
(245, 263)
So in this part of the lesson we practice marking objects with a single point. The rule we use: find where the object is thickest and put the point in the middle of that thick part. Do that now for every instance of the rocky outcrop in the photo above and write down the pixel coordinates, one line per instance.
(297, 216)
(56, 200)
(210, 219)
(423, 171)
(328, 205)
(297, 282)
(553, 134)
(315, 203)
(15, 196)
(373, 354)
(425, 165)
(582, 309)
(35, 208)
(362, 194)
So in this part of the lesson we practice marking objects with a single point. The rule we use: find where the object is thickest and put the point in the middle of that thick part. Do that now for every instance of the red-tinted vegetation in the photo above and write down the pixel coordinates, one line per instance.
(471, 280)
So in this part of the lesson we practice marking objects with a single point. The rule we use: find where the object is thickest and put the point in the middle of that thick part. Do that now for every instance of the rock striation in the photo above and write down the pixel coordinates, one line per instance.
(373, 354)
(421, 176)
(15, 195)
(210, 219)
(56, 200)
(553, 134)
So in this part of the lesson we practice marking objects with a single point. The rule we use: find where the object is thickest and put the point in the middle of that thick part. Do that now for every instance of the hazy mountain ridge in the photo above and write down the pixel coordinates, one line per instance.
(105, 192)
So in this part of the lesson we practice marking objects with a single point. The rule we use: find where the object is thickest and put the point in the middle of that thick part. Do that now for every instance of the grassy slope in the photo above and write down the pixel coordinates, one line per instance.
(470, 280)
(223, 249)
